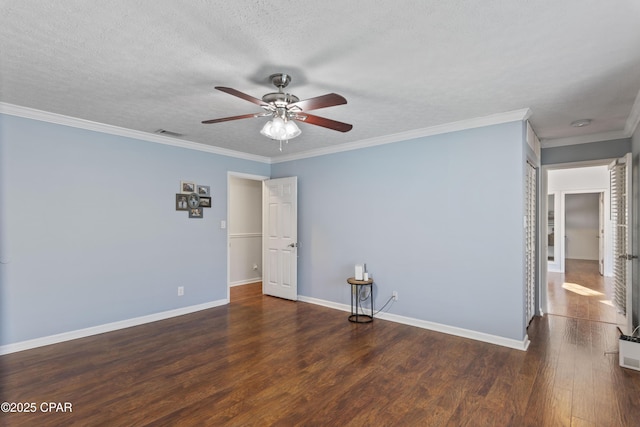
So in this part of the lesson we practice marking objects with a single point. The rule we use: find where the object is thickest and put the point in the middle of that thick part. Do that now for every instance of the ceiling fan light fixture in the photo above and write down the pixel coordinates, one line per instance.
(285, 109)
(280, 130)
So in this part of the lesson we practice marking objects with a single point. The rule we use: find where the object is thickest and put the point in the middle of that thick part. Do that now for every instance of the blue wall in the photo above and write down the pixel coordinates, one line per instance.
(439, 219)
(90, 234)
(585, 152)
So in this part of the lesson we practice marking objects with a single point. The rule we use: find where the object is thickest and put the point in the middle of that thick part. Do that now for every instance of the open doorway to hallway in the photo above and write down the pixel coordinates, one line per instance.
(245, 292)
(578, 220)
(244, 263)
(578, 242)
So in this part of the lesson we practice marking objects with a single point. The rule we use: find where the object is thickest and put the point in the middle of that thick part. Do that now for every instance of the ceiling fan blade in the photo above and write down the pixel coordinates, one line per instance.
(226, 119)
(239, 94)
(321, 121)
(323, 101)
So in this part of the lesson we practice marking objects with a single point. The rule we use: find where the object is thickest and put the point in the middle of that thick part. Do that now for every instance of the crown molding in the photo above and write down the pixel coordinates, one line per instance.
(494, 119)
(517, 115)
(45, 116)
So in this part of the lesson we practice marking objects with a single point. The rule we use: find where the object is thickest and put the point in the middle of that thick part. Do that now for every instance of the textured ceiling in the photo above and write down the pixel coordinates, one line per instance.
(402, 65)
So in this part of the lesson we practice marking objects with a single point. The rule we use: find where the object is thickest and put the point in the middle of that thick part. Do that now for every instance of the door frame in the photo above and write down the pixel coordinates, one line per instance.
(542, 232)
(558, 261)
(240, 175)
(561, 223)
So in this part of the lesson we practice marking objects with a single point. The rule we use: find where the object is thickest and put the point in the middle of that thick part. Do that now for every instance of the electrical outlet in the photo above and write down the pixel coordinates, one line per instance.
(394, 295)
(180, 291)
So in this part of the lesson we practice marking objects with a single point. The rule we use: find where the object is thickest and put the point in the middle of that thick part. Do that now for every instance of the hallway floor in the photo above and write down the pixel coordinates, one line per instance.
(581, 292)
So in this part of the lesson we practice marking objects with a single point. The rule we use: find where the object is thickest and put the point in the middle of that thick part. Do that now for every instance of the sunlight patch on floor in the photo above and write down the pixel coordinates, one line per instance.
(580, 290)
(607, 302)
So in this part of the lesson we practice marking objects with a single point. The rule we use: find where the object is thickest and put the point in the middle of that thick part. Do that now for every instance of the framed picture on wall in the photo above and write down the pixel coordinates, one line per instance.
(203, 190)
(205, 202)
(195, 213)
(181, 202)
(187, 187)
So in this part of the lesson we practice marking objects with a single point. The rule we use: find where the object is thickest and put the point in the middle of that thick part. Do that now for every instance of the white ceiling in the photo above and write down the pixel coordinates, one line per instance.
(403, 65)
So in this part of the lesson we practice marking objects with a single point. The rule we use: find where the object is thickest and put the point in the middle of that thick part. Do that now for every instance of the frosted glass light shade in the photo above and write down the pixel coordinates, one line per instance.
(280, 130)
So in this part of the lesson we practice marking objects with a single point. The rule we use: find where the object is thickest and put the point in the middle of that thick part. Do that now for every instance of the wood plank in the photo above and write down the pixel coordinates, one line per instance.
(266, 361)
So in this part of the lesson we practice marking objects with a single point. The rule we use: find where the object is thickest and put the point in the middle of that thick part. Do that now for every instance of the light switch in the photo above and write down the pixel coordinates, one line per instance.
(223, 224)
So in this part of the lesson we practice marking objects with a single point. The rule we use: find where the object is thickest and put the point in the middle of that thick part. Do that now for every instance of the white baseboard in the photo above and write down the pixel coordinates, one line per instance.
(245, 282)
(325, 303)
(114, 326)
(107, 327)
(432, 326)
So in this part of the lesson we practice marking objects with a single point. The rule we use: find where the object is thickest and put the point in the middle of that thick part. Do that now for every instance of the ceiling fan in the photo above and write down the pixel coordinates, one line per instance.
(285, 109)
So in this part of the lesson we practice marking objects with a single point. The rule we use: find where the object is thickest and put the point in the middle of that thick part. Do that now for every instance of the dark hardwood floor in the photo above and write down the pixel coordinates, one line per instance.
(581, 292)
(263, 361)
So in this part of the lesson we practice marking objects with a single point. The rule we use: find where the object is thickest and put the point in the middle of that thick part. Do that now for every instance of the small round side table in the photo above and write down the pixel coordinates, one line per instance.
(358, 314)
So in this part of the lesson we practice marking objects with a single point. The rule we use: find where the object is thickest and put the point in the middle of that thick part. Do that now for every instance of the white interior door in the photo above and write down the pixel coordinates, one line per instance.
(620, 172)
(280, 238)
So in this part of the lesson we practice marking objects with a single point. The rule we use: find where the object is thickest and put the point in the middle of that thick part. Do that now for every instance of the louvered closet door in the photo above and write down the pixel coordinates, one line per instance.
(620, 173)
(530, 242)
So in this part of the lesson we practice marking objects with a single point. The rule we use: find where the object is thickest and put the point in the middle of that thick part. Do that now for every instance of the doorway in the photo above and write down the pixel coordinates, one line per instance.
(582, 225)
(244, 232)
(577, 217)
(578, 241)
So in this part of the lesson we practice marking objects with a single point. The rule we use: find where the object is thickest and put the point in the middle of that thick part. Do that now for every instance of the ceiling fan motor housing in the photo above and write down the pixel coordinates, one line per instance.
(280, 99)
(276, 98)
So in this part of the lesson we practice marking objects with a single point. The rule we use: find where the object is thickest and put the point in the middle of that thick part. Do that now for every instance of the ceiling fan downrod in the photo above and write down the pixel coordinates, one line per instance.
(280, 80)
